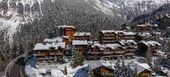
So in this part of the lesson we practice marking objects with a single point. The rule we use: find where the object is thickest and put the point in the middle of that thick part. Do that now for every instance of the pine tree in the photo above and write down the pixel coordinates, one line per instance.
(65, 70)
(14, 51)
(117, 67)
(123, 71)
(21, 49)
(77, 59)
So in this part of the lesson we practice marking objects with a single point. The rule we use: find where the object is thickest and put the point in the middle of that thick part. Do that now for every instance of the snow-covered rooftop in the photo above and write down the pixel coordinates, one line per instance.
(129, 33)
(151, 43)
(53, 40)
(140, 67)
(65, 26)
(107, 31)
(118, 31)
(112, 46)
(82, 34)
(127, 42)
(96, 64)
(46, 46)
(80, 42)
(145, 25)
(147, 34)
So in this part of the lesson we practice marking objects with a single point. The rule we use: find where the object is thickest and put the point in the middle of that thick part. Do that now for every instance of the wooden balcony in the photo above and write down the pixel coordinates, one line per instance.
(107, 38)
(130, 50)
(129, 54)
(57, 53)
(40, 54)
(108, 52)
(94, 52)
(120, 52)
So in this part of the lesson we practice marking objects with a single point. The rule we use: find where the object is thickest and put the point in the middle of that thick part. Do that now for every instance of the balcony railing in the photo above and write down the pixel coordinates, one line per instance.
(40, 54)
(57, 53)
(108, 52)
(94, 52)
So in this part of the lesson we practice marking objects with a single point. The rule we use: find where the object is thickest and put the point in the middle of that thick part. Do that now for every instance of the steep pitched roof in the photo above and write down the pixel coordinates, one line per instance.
(46, 46)
(96, 64)
(79, 42)
(139, 67)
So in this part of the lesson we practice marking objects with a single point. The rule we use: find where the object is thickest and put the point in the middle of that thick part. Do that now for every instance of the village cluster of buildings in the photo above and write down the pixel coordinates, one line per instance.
(109, 45)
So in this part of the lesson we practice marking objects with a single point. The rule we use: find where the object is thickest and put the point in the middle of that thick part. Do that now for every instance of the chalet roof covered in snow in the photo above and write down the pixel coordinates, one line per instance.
(112, 46)
(97, 44)
(65, 26)
(107, 31)
(112, 31)
(82, 34)
(145, 25)
(140, 67)
(46, 46)
(118, 31)
(145, 34)
(80, 42)
(129, 33)
(53, 40)
(127, 42)
(97, 64)
(150, 43)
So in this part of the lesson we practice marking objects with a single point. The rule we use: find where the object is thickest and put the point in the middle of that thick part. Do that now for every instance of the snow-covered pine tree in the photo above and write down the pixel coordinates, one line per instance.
(121, 70)
(65, 70)
(117, 67)
(90, 73)
(77, 59)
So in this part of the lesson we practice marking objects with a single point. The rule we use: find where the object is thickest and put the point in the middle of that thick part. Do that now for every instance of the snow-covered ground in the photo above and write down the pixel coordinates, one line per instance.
(56, 71)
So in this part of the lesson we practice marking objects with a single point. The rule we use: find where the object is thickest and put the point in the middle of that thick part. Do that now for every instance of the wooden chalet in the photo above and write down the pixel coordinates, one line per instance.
(113, 51)
(129, 36)
(147, 27)
(49, 53)
(148, 48)
(66, 30)
(99, 51)
(142, 69)
(101, 69)
(80, 46)
(112, 36)
(130, 47)
(95, 51)
(82, 36)
(107, 36)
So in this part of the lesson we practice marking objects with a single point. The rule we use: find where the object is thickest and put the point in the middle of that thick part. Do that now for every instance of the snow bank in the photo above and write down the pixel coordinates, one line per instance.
(80, 71)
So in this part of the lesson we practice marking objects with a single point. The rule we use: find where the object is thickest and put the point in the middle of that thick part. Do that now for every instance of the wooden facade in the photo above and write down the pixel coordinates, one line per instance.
(49, 56)
(145, 73)
(94, 53)
(148, 48)
(130, 47)
(103, 72)
(143, 28)
(49, 53)
(110, 52)
(111, 36)
(107, 37)
(67, 31)
(101, 69)
(82, 36)
(80, 46)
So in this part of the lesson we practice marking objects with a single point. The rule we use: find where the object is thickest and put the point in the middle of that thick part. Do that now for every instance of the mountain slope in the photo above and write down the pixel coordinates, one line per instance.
(29, 21)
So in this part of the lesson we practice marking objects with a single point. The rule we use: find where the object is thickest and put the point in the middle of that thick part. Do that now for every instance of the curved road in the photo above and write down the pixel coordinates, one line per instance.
(17, 69)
